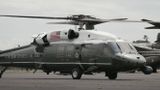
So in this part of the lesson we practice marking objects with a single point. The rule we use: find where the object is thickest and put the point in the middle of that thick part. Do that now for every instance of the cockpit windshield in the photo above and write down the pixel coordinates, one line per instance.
(115, 47)
(123, 47)
(126, 47)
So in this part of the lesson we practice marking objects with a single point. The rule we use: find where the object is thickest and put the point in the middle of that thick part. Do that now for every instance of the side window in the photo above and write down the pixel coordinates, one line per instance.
(93, 50)
(107, 50)
(60, 51)
(69, 51)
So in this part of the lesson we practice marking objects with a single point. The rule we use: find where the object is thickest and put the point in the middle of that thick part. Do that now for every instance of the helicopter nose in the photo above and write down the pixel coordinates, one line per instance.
(132, 59)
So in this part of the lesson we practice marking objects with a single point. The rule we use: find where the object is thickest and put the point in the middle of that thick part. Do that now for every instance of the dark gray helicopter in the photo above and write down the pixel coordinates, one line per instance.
(75, 52)
(152, 55)
(151, 51)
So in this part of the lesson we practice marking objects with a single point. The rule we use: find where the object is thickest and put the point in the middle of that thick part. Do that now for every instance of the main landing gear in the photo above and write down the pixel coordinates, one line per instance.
(76, 73)
(111, 75)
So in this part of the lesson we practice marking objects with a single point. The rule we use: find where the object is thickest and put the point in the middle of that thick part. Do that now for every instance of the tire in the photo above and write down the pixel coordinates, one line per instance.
(147, 70)
(112, 75)
(76, 73)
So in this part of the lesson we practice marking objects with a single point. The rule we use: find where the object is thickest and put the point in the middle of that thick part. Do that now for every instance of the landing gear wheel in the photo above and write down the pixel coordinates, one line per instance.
(147, 70)
(112, 75)
(77, 73)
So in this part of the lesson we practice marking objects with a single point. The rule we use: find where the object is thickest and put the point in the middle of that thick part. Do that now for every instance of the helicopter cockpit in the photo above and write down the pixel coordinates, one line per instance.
(123, 47)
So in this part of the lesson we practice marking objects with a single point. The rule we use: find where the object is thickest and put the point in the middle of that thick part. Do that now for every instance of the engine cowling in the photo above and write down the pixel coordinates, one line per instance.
(47, 38)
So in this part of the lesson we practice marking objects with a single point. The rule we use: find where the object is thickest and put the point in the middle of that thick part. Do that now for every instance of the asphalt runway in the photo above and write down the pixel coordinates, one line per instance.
(16, 80)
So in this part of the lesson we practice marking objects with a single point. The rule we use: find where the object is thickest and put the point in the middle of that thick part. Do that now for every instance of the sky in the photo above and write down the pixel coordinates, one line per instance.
(15, 31)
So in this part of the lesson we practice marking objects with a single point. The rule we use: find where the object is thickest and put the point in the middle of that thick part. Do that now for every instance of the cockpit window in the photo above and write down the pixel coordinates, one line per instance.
(115, 47)
(122, 47)
(126, 47)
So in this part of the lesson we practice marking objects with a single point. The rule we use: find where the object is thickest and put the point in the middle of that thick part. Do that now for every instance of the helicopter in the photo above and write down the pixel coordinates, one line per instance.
(150, 50)
(75, 52)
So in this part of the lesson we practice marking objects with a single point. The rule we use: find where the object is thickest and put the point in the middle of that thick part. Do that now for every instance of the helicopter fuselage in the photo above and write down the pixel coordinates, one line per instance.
(91, 51)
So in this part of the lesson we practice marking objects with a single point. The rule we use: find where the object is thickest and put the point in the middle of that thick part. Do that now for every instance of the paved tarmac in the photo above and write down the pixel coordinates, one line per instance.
(16, 80)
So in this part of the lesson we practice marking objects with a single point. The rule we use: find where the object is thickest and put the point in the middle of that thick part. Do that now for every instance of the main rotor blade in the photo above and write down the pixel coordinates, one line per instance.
(116, 19)
(34, 17)
(95, 20)
(103, 20)
(71, 23)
